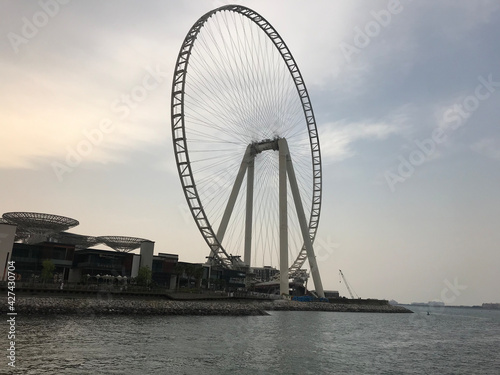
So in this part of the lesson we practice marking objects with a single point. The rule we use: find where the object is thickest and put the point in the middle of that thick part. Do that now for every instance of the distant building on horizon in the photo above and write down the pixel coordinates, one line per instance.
(430, 303)
(491, 306)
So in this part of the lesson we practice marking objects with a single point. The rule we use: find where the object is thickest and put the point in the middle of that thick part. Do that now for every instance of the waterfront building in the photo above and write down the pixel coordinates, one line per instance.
(35, 237)
(263, 274)
(29, 259)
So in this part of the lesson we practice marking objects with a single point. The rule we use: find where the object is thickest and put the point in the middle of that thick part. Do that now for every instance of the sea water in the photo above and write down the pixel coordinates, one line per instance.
(448, 341)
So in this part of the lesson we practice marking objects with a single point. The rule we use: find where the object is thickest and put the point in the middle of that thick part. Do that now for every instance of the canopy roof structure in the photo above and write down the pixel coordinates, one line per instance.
(35, 227)
(79, 240)
(20, 234)
(121, 243)
(35, 223)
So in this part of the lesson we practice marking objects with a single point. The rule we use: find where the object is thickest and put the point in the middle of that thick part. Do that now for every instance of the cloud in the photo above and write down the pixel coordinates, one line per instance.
(338, 137)
(45, 111)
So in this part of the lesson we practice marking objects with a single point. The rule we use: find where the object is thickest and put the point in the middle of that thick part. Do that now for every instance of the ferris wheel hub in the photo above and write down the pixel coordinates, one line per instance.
(266, 144)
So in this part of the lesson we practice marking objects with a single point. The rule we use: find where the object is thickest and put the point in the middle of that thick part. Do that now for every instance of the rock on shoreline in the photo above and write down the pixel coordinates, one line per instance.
(113, 306)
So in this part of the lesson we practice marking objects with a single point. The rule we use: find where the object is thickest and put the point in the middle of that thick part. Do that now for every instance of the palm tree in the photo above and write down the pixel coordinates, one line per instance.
(179, 271)
(198, 275)
(190, 271)
(48, 268)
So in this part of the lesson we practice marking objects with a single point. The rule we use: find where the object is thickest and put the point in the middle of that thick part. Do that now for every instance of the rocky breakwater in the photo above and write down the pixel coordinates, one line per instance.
(282, 305)
(37, 306)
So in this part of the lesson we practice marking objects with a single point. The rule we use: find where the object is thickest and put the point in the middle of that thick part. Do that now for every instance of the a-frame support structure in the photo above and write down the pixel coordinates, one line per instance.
(286, 173)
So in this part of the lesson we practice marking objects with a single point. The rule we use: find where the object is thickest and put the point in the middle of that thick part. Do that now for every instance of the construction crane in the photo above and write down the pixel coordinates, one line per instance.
(347, 285)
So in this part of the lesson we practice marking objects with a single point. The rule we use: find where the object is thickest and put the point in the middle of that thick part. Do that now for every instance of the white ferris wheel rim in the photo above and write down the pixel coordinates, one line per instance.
(211, 91)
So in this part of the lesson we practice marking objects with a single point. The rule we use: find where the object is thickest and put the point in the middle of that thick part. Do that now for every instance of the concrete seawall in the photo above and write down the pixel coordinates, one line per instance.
(36, 306)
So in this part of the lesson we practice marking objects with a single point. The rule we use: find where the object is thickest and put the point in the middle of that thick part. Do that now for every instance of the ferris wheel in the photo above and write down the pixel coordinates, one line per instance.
(246, 144)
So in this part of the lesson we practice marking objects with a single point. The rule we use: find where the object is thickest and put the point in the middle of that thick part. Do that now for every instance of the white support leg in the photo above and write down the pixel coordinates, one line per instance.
(249, 213)
(284, 285)
(234, 194)
(303, 223)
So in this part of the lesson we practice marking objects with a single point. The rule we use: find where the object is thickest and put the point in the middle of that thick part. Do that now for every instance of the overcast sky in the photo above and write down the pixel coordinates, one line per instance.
(407, 101)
